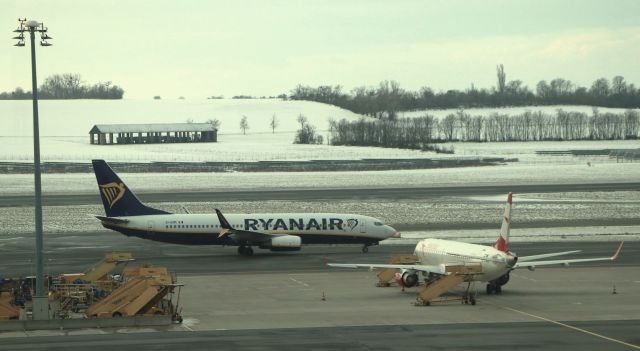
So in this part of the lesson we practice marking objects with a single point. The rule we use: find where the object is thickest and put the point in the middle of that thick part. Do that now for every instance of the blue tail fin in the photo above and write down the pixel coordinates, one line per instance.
(117, 198)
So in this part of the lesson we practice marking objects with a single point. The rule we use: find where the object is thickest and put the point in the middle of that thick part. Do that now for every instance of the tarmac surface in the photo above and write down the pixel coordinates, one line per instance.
(548, 309)
(273, 301)
(315, 194)
(74, 253)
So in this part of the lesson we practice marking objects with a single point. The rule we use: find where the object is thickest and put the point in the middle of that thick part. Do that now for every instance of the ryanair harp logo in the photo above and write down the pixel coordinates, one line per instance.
(113, 192)
(352, 223)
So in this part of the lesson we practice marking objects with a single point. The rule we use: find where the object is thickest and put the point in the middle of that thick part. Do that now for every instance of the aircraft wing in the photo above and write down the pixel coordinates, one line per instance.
(537, 257)
(534, 264)
(439, 269)
(241, 235)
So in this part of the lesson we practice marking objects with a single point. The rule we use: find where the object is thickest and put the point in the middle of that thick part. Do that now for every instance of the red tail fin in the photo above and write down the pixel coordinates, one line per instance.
(503, 241)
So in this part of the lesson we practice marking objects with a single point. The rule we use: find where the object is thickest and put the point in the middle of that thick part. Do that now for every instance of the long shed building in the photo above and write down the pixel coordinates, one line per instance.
(108, 134)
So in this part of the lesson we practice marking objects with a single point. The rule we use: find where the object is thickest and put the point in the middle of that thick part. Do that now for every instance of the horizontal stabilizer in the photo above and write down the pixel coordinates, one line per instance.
(112, 220)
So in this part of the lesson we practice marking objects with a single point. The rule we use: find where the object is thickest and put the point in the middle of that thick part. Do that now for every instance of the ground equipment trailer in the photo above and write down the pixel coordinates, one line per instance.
(142, 293)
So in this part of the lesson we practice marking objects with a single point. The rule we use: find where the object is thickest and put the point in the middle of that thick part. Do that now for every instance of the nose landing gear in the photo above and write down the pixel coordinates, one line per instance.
(365, 247)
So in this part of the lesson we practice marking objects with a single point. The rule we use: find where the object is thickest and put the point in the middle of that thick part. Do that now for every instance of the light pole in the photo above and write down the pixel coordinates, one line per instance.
(40, 300)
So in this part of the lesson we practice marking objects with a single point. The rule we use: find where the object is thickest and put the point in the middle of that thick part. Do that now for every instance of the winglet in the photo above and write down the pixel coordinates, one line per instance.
(509, 198)
(224, 224)
(615, 256)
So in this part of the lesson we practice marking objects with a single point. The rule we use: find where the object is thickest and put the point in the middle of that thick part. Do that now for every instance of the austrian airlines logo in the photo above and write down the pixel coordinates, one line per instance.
(113, 192)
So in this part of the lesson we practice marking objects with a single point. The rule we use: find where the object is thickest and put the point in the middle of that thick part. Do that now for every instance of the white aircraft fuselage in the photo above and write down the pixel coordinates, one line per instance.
(203, 229)
(495, 263)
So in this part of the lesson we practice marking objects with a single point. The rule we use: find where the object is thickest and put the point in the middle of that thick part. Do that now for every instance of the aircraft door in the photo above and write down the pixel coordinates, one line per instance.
(150, 227)
(363, 226)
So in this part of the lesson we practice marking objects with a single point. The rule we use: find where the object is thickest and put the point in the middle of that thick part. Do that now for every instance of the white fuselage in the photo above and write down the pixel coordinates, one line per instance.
(445, 252)
(204, 228)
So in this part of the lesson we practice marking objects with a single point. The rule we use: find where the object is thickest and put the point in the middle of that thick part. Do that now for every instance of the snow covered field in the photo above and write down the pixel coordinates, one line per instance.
(18, 222)
(76, 117)
(513, 173)
(65, 126)
(279, 146)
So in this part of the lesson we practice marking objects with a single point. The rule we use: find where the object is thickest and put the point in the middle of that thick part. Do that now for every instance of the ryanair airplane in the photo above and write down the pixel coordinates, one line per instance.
(273, 231)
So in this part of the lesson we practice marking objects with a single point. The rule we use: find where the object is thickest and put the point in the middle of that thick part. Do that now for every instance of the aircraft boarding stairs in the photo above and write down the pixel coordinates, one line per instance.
(457, 274)
(142, 293)
(8, 310)
(433, 291)
(100, 270)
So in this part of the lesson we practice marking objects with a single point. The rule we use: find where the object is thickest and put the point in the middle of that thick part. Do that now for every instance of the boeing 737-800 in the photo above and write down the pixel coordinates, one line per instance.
(435, 255)
(273, 231)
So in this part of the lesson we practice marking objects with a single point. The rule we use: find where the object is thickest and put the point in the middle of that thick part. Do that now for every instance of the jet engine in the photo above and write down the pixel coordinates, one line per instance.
(407, 278)
(283, 243)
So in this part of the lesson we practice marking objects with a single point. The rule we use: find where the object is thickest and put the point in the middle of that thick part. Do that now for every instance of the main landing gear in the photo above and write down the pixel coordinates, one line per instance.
(494, 289)
(495, 286)
(245, 250)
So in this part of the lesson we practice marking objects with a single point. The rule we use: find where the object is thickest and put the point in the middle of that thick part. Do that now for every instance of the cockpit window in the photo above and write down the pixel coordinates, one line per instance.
(378, 223)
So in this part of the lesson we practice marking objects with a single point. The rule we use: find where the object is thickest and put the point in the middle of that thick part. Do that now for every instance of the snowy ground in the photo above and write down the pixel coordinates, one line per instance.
(18, 222)
(65, 126)
(76, 117)
(512, 173)
(279, 146)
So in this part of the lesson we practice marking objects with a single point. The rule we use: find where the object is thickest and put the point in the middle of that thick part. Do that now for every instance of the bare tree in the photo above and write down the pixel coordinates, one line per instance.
(244, 124)
(302, 120)
(273, 123)
(215, 123)
(502, 78)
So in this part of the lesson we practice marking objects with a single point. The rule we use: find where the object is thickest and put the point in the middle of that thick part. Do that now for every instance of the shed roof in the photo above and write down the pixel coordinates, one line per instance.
(152, 128)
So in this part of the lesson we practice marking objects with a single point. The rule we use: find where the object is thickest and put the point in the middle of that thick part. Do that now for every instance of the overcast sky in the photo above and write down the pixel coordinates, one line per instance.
(201, 48)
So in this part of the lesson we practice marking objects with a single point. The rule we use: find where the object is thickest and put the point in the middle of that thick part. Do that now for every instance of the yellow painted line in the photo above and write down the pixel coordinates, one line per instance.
(574, 328)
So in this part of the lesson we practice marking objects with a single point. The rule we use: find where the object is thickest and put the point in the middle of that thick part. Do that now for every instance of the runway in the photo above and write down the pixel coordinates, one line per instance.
(314, 194)
(465, 336)
(66, 253)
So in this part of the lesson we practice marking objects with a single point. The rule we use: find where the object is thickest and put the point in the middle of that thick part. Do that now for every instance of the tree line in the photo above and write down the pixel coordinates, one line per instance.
(419, 133)
(388, 98)
(67, 86)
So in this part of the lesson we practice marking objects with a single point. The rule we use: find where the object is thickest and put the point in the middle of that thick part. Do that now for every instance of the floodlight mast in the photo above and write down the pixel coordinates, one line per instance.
(41, 303)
